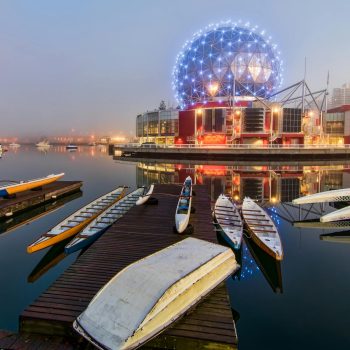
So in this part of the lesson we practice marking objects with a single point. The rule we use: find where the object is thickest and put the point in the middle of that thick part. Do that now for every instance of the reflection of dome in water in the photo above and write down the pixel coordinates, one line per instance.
(212, 60)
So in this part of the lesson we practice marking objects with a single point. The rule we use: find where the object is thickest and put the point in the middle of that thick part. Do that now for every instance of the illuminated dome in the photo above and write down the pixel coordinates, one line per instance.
(226, 58)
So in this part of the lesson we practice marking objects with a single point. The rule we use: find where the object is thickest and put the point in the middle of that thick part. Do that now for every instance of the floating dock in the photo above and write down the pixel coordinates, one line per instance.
(142, 231)
(29, 199)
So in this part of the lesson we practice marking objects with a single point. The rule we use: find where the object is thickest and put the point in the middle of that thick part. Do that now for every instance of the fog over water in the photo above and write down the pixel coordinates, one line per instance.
(92, 66)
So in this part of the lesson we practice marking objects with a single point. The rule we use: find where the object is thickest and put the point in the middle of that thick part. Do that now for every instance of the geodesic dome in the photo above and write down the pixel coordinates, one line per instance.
(223, 60)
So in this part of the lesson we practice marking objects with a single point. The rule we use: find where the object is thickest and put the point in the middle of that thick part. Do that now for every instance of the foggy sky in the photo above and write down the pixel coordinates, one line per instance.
(92, 66)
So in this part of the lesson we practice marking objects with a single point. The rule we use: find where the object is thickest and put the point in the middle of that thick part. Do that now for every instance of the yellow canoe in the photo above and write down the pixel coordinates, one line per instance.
(28, 185)
(77, 221)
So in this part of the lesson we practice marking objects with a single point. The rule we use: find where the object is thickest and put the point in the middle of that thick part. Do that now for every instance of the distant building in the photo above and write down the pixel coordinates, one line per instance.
(159, 126)
(340, 96)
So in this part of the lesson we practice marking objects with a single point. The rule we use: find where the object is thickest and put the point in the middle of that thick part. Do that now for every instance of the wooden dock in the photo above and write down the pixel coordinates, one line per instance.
(30, 199)
(142, 231)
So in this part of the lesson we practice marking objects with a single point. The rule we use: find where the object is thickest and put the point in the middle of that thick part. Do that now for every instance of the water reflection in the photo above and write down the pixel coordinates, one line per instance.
(264, 183)
(55, 255)
(336, 237)
(33, 214)
(274, 186)
(270, 268)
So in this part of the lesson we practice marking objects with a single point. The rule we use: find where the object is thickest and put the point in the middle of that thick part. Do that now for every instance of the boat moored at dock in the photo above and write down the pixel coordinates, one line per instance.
(43, 144)
(77, 221)
(183, 209)
(100, 224)
(14, 145)
(342, 195)
(228, 221)
(13, 187)
(144, 197)
(71, 147)
(262, 229)
(338, 215)
(172, 281)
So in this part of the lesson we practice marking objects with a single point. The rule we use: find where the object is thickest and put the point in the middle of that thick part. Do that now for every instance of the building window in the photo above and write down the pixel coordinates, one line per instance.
(291, 120)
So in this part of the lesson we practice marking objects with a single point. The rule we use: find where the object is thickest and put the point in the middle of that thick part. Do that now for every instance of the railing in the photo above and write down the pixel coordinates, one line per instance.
(234, 146)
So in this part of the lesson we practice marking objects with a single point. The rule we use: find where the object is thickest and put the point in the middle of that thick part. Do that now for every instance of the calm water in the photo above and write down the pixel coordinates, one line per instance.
(300, 304)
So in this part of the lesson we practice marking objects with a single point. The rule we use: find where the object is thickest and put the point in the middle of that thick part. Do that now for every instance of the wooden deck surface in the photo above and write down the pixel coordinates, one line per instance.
(29, 199)
(142, 231)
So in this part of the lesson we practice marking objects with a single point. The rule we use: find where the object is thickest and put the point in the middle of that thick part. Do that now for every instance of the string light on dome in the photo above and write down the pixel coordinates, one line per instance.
(223, 52)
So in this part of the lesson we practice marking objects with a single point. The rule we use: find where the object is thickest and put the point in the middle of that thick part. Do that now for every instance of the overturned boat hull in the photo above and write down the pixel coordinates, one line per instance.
(171, 280)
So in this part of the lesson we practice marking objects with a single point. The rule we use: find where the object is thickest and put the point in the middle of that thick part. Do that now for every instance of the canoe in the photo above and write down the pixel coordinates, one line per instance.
(144, 198)
(100, 224)
(342, 195)
(14, 188)
(150, 294)
(183, 209)
(262, 229)
(77, 221)
(341, 214)
(228, 221)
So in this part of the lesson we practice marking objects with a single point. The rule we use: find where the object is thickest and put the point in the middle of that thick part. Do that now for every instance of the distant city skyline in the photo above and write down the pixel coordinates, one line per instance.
(92, 66)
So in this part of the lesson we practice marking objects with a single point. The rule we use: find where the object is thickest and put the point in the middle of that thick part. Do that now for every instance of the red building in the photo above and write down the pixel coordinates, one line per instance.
(245, 123)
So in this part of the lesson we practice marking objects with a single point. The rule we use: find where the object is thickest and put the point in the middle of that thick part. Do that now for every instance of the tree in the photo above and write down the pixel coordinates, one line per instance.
(162, 106)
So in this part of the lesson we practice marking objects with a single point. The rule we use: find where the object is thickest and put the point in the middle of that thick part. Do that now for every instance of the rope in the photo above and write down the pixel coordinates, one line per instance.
(167, 194)
(246, 234)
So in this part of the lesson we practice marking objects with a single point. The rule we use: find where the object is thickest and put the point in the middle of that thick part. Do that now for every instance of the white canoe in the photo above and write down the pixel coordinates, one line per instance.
(77, 221)
(144, 198)
(262, 229)
(342, 195)
(341, 214)
(150, 294)
(229, 220)
(183, 209)
(101, 223)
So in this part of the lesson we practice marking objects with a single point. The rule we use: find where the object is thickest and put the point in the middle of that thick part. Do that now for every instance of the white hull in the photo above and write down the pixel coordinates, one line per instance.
(262, 228)
(229, 219)
(341, 214)
(144, 199)
(342, 195)
(183, 209)
(149, 295)
(43, 144)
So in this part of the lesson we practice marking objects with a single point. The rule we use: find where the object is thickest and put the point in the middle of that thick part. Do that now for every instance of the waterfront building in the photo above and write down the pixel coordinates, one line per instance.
(159, 126)
(226, 82)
